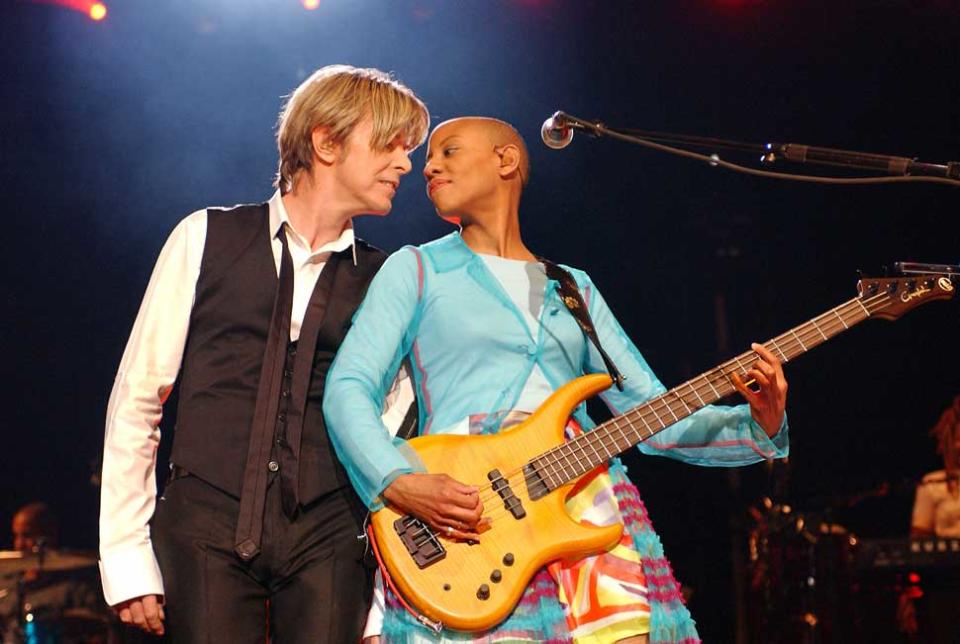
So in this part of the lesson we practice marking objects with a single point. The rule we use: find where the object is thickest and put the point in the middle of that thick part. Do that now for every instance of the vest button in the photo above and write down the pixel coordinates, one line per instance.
(273, 466)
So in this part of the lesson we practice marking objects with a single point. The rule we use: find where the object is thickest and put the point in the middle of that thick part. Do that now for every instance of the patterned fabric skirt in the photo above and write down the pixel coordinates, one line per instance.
(627, 590)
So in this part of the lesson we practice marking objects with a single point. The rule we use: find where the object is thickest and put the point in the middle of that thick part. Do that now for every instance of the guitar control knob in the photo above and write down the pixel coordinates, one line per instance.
(508, 559)
(483, 592)
(496, 576)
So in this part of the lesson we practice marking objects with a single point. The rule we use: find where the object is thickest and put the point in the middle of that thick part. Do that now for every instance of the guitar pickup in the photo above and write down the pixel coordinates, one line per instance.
(419, 540)
(513, 504)
(510, 500)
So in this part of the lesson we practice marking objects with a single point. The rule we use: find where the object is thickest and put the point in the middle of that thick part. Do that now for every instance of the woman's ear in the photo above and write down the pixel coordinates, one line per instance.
(509, 159)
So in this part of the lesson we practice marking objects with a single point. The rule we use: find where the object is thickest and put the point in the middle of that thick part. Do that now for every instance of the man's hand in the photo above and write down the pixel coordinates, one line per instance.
(146, 612)
(769, 402)
(451, 508)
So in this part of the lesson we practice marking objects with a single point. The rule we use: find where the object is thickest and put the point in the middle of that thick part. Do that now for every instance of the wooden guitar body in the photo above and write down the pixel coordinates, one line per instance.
(475, 586)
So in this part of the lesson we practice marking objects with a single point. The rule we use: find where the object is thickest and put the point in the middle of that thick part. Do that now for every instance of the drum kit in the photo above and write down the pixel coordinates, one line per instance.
(801, 576)
(812, 580)
(36, 599)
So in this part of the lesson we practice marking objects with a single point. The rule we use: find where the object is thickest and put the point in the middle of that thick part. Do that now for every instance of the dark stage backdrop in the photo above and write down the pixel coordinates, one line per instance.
(113, 131)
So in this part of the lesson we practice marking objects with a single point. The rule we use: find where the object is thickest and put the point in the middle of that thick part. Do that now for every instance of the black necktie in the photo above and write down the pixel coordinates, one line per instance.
(254, 491)
(301, 371)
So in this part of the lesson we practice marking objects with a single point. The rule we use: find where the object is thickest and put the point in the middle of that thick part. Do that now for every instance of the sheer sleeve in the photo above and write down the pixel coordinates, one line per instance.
(362, 373)
(715, 435)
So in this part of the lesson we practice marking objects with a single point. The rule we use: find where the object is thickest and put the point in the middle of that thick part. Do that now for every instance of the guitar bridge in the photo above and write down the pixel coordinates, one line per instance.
(419, 540)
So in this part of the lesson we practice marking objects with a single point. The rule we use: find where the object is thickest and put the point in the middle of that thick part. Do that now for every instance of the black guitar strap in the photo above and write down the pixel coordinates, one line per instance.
(408, 428)
(570, 294)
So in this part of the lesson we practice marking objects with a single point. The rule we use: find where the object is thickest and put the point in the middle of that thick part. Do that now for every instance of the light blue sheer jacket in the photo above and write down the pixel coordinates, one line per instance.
(471, 354)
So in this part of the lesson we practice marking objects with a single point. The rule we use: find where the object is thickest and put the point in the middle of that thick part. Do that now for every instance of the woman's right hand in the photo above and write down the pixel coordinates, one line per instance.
(452, 509)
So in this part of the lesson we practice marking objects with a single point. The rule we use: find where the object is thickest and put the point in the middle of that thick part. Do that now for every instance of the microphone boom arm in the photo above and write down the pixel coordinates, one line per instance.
(772, 152)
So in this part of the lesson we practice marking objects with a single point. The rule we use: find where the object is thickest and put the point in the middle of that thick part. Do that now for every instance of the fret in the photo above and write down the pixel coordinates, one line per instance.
(606, 449)
(839, 317)
(863, 307)
(669, 408)
(656, 415)
(740, 366)
(817, 327)
(715, 392)
(650, 431)
(635, 435)
(626, 440)
(783, 356)
(680, 398)
(596, 454)
(798, 339)
(697, 394)
(551, 482)
(577, 456)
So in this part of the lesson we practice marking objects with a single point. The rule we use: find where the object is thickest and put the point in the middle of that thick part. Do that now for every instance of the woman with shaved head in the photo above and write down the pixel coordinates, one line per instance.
(489, 338)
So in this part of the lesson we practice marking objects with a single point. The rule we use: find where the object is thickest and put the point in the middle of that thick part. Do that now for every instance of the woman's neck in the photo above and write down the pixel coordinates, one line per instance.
(496, 234)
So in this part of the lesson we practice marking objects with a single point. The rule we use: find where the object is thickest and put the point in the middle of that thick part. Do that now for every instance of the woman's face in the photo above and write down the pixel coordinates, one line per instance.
(461, 170)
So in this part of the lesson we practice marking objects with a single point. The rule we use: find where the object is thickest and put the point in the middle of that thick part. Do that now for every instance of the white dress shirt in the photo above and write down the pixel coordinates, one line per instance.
(148, 370)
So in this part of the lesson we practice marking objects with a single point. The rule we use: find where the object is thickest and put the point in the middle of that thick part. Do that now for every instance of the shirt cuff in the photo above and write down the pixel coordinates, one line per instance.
(776, 446)
(129, 573)
(374, 626)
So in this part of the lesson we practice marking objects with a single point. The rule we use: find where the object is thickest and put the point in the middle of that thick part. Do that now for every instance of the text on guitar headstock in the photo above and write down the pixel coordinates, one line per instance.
(890, 297)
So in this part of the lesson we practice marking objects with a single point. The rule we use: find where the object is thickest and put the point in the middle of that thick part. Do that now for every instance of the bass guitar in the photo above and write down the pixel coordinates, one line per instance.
(526, 473)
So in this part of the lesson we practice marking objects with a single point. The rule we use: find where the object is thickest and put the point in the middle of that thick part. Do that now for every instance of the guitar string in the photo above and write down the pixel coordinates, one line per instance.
(810, 331)
(647, 411)
(560, 455)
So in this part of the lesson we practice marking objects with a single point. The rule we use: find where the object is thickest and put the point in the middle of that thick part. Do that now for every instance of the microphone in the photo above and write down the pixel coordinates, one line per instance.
(556, 131)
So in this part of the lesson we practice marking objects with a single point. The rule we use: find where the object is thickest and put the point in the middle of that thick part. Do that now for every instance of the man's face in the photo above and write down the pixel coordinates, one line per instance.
(367, 178)
(462, 170)
(25, 532)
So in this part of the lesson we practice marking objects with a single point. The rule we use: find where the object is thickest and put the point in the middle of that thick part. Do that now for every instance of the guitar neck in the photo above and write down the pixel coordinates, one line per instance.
(566, 462)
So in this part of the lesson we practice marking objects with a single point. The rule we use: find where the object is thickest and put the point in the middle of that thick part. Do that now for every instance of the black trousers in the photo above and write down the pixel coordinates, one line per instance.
(308, 584)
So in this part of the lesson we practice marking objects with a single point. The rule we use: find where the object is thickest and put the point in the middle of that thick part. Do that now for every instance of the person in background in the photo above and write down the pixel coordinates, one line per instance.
(62, 602)
(931, 613)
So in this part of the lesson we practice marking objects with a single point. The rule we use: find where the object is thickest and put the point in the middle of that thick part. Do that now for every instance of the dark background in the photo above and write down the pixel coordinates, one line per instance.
(113, 131)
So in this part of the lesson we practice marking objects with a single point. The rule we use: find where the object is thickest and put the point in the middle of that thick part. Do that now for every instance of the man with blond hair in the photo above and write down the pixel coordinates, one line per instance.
(257, 530)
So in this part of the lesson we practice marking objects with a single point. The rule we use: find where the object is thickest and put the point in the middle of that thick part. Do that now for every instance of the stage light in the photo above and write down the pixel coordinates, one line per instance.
(98, 11)
(310, 5)
(94, 10)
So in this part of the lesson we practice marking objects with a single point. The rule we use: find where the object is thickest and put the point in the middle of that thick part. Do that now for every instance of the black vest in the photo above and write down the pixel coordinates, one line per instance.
(229, 325)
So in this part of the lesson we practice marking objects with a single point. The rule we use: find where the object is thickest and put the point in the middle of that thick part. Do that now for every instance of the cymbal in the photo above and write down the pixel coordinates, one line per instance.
(20, 561)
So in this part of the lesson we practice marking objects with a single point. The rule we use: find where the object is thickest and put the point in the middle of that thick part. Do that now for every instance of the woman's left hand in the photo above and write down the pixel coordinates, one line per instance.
(767, 404)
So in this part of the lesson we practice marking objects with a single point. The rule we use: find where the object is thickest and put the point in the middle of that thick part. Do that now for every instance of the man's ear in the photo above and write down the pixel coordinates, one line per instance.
(323, 147)
(509, 159)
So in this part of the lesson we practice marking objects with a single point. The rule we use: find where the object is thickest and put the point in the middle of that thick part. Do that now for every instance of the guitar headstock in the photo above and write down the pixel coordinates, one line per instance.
(890, 297)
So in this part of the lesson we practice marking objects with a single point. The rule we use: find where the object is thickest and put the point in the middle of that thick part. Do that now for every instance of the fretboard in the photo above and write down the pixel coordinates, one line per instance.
(573, 458)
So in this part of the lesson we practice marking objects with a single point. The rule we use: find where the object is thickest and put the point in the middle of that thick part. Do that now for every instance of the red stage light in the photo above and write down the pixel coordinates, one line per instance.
(94, 10)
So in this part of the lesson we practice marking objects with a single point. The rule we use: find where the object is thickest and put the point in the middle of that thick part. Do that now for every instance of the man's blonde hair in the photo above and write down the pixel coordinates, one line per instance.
(338, 97)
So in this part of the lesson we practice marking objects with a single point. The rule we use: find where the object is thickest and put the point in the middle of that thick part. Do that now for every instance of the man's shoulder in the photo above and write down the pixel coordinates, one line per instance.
(245, 211)
(366, 247)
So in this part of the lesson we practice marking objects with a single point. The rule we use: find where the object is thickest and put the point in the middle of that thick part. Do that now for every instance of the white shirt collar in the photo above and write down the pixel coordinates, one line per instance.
(279, 217)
